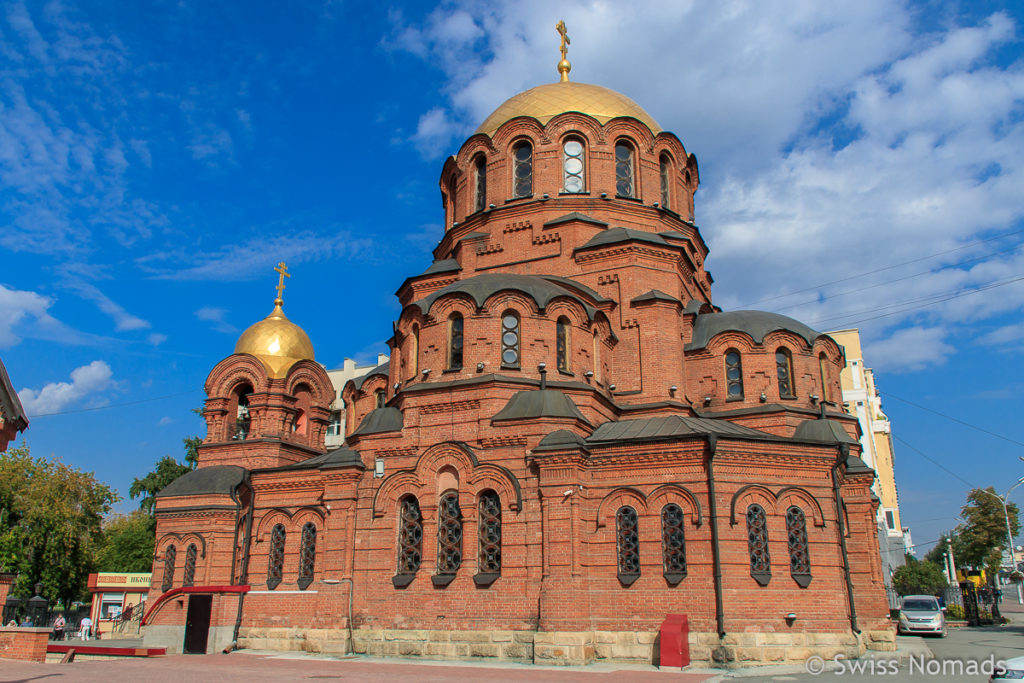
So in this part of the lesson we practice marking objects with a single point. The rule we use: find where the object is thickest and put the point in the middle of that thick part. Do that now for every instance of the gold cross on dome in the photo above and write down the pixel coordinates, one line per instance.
(563, 66)
(282, 269)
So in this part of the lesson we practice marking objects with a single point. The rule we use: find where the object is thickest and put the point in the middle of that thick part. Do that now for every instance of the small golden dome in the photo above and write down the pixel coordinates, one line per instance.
(547, 101)
(277, 342)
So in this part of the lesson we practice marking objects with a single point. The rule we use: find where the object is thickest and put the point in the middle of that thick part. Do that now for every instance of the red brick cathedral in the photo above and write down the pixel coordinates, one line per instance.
(569, 443)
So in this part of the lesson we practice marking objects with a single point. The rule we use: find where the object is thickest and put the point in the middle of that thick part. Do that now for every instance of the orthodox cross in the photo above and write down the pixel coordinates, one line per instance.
(563, 66)
(282, 270)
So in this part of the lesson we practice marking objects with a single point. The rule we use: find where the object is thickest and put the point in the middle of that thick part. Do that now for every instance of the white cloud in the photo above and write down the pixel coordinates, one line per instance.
(55, 396)
(215, 315)
(164, 421)
(123, 320)
(909, 349)
(156, 338)
(15, 307)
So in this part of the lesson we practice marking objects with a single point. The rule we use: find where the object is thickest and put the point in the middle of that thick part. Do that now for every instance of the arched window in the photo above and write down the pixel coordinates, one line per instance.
(597, 353)
(573, 167)
(625, 185)
(665, 168)
(799, 558)
(410, 536)
(627, 544)
(489, 532)
(823, 372)
(784, 369)
(449, 534)
(189, 576)
(275, 563)
(480, 194)
(243, 420)
(673, 543)
(757, 544)
(562, 344)
(414, 350)
(170, 555)
(307, 555)
(455, 342)
(509, 340)
(522, 173)
(734, 373)
(380, 398)
(350, 417)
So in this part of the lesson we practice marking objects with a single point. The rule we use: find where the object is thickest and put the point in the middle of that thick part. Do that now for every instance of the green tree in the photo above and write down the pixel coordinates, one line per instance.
(982, 536)
(126, 544)
(50, 519)
(916, 577)
(167, 470)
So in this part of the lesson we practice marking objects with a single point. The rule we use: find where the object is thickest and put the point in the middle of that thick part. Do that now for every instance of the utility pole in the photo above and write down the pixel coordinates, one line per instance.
(1009, 535)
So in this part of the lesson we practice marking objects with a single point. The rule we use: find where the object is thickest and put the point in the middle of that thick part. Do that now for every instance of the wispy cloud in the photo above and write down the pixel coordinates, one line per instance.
(55, 396)
(123, 320)
(215, 316)
(26, 314)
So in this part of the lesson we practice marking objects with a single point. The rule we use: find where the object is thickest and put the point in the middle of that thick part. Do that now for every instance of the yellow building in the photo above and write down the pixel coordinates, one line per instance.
(118, 597)
(862, 400)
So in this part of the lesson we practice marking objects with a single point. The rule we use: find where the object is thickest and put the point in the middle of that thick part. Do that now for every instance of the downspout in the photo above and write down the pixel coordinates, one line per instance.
(715, 551)
(244, 574)
(351, 589)
(844, 452)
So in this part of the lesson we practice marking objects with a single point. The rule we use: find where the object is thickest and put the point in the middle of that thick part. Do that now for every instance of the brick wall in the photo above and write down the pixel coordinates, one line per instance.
(26, 644)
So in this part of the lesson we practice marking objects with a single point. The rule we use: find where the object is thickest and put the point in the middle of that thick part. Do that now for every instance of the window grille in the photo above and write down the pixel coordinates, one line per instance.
(666, 181)
(489, 560)
(480, 200)
(307, 555)
(275, 564)
(628, 544)
(784, 369)
(523, 170)
(449, 534)
(799, 558)
(562, 344)
(510, 340)
(410, 538)
(190, 565)
(734, 373)
(573, 167)
(455, 342)
(757, 544)
(624, 185)
(673, 543)
(381, 398)
(170, 555)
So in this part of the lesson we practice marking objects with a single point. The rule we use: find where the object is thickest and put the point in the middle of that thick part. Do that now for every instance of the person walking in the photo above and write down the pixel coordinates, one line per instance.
(86, 628)
(58, 627)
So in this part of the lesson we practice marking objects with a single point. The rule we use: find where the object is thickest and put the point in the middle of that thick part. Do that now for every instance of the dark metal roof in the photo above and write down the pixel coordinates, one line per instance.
(539, 403)
(382, 369)
(755, 323)
(215, 479)
(826, 431)
(447, 265)
(670, 427)
(575, 216)
(336, 459)
(855, 465)
(541, 289)
(617, 235)
(560, 439)
(380, 420)
(672, 235)
(10, 404)
(655, 295)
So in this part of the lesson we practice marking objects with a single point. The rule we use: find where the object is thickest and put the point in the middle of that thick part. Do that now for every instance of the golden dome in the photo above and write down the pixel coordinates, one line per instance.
(547, 101)
(277, 342)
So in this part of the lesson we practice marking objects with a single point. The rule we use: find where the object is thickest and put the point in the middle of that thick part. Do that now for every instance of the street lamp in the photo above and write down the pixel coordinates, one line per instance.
(1009, 535)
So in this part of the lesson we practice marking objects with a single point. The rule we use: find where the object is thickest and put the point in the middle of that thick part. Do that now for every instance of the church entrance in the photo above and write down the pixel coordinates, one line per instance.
(197, 624)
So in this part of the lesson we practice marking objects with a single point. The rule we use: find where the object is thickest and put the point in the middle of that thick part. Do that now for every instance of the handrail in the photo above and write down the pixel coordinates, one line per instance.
(181, 590)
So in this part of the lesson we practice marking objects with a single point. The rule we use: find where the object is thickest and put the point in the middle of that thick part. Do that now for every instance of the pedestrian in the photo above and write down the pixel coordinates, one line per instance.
(26, 622)
(86, 628)
(58, 627)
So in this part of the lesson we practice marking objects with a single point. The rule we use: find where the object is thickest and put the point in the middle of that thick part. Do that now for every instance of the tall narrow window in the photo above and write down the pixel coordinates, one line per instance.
(455, 342)
(597, 353)
(410, 536)
(243, 420)
(275, 563)
(380, 398)
(823, 373)
(627, 543)
(489, 557)
(673, 543)
(562, 344)
(414, 350)
(666, 180)
(510, 340)
(480, 195)
(170, 555)
(799, 558)
(334, 424)
(734, 373)
(307, 555)
(522, 175)
(189, 575)
(449, 534)
(757, 544)
(573, 179)
(784, 370)
(624, 178)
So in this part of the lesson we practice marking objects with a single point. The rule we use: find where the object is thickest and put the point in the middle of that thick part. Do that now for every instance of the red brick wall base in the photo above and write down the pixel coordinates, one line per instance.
(25, 644)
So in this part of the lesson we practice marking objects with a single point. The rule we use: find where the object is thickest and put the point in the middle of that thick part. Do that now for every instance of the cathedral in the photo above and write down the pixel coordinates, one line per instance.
(569, 443)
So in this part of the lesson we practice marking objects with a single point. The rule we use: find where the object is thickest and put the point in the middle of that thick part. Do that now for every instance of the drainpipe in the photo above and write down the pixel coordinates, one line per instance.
(844, 452)
(351, 589)
(715, 551)
(244, 574)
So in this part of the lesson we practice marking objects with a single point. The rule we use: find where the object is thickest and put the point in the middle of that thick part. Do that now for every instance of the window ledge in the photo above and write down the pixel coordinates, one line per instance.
(734, 399)
(485, 579)
(674, 578)
(402, 580)
(802, 580)
(441, 580)
(448, 371)
(566, 373)
(762, 577)
(304, 583)
(628, 579)
(788, 398)
(574, 194)
(525, 197)
(632, 199)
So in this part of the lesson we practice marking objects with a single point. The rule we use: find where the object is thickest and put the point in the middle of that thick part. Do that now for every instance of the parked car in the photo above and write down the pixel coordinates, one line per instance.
(922, 614)
(1013, 670)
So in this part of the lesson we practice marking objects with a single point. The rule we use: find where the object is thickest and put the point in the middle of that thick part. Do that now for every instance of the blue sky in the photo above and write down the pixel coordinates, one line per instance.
(860, 166)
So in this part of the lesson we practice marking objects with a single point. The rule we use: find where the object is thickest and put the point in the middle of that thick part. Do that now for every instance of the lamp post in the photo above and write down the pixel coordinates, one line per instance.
(1009, 535)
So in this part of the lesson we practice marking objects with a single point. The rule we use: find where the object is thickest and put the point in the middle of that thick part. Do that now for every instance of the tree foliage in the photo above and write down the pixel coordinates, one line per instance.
(916, 577)
(50, 520)
(167, 470)
(126, 544)
(981, 540)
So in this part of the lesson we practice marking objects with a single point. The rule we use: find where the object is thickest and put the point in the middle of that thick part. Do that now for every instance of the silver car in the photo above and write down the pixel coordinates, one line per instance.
(922, 614)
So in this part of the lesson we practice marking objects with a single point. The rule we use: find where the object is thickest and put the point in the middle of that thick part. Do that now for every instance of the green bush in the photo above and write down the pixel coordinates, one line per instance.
(955, 612)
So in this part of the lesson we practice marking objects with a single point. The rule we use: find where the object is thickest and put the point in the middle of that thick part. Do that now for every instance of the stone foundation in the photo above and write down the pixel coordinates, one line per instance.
(568, 648)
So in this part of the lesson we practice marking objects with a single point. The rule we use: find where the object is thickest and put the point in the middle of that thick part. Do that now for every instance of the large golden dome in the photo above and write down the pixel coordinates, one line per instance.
(547, 101)
(277, 342)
